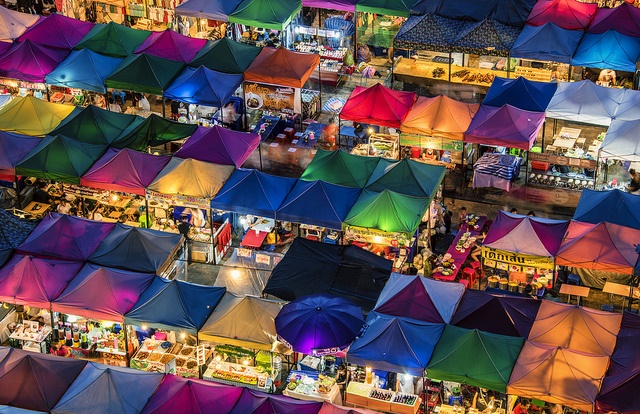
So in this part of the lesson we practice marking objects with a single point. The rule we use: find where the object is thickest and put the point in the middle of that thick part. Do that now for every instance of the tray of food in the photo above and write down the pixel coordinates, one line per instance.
(187, 351)
(142, 355)
(155, 357)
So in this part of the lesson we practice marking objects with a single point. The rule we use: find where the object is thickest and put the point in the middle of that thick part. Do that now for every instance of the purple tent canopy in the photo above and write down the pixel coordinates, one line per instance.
(33, 281)
(102, 293)
(125, 170)
(219, 145)
(57, 31)
(29, 62)
(506, 126)
(255, 402)
(624, 19)
(13, 148)
(191, 396)
(171, 45)
(502, 315)
(619, 391)
(343, 5)
(65, 237)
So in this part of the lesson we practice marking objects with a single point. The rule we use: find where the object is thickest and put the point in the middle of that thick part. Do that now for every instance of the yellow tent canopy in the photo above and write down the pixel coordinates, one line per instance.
(29, 115)
(191, 178)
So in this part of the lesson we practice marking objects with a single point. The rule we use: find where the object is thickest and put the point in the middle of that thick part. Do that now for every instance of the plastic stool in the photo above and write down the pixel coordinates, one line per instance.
(289, 132)
(470, 274)
(281, 139)
(476, 265)
(465, 282)
(573, 279)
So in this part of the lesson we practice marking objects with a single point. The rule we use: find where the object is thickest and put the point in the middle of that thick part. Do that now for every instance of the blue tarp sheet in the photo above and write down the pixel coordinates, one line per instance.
(521, 93)
(614, 206)
(547, 42)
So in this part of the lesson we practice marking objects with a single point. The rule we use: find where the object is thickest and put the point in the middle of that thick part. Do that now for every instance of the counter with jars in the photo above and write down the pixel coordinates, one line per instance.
(368, 396)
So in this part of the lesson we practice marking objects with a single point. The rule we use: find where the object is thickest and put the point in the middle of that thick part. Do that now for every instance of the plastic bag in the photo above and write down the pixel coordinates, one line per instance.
(348, 59)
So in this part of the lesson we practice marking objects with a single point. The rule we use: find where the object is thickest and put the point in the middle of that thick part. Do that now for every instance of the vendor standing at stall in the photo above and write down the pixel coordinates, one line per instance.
(634, 184)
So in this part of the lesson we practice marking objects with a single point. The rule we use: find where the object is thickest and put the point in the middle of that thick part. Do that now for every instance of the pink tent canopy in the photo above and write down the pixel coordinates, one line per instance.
(33, 281)
(29, 62)
(13, 23)
(624, 19)
(102, 293)
(57, 31)
(506, 126)
(219, 145)
(13, 148)
(125, 170)
(378, 105)
(171, 45)
(567, 14)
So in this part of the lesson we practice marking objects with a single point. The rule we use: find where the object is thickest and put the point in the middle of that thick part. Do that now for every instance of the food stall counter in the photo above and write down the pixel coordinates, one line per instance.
(366, 395)
(460, 248)
(32, 336)
(160, 356)
(311, 386)
(238, 374)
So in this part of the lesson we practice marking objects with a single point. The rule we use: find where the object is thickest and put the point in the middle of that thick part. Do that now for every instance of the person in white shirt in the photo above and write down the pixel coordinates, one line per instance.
(114, 107)
(144, 104)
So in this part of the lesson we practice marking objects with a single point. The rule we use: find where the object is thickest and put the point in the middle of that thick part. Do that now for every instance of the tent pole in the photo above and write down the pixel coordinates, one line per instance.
(569, 72)
(319, 86)
(15, 180)
(260, 154)
(595, 173)
(46, 89)
(146, 212)
(53, 327)
(164, 106)
(508, 64)
(126, 341)
(450, 65)
(425, 390)
(213, 247)
(544, 127)
(244, 116)
(555, 126)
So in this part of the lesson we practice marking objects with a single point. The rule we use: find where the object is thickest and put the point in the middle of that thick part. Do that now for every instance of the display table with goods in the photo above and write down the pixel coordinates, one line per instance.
(30, 336)
(330, 62)
(459, 409)
(267, 127)
(379, 145)
(448, 266)
(312, 386)
(496, 170)
(235, 365)
(409, 70)
(161, 356)
(366, 395)
(570, 170)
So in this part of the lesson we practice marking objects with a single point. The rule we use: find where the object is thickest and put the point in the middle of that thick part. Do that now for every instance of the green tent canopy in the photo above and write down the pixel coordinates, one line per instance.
(152, 131)
(144, 73)
(474, 357)
(341, 168)
(271, 14)
(225, 55)
(400, 8)
(387, 211)
(113, 39)
(61, 159)
(407, 177)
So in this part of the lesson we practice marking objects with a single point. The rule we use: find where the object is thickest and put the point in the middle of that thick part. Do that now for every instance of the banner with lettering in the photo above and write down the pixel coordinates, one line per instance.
(272, 97)
(517, 259)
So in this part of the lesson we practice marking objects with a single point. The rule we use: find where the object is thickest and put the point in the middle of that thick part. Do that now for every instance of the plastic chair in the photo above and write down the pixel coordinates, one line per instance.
(573, 279)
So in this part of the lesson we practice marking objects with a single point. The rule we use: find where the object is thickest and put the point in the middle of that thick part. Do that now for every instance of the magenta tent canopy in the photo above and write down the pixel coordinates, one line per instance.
(378, 105)
(258, 403)
(191, 396)
(567, 14)
(125, 170)
(65, 237)
(506, 126)
(13, 148)
(624, 19)
(171, 45)
(29, 62)
(102, 293)
(343, 5)
(219, 145)
(57, 31)
(34, 281)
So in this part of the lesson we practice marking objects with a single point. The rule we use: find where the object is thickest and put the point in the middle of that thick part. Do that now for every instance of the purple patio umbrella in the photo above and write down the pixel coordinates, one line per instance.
(324, 323)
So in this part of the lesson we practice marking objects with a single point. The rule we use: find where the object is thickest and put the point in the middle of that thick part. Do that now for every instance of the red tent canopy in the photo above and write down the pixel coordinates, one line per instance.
(282, 67)
(567, 14)
(378, 105)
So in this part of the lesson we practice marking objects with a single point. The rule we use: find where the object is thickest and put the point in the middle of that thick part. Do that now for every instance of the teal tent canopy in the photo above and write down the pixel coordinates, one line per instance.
(144, 73)
(113, 39)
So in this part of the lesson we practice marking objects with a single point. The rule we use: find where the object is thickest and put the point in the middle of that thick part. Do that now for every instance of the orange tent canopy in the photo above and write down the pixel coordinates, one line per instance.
(439, 116)
(282, 67)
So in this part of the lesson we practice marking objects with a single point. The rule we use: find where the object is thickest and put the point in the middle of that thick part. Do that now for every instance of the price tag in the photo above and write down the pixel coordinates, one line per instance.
(201, 354)
(263, 259)
(243, 252)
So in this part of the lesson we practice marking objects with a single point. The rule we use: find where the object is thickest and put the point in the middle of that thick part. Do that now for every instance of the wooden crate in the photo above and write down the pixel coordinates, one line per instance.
(379, 405)
(356, 399)
(404, 408)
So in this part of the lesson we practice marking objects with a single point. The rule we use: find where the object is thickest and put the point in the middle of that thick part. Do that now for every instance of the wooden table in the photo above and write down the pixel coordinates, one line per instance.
(564, 142)
(574, 290)
(621, 290)
(37, 209)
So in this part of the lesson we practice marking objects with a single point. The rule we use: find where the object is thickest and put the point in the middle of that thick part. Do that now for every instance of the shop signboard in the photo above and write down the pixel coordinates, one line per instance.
(177, 200)
(283, 99)
(374, 236)
(562, 160)
(434, 142)
(502, 257)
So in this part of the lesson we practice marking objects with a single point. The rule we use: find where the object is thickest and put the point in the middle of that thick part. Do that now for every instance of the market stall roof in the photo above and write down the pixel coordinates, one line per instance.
(512, 12)
(219, 145)
(419, 298)
(113, 39)
(246, 321)
(609, 50)
(620, 385)
(204, 86)
(621, 141)
(342, 5)
(83, 69)
(225, 55)
(543, 236)
(191, 178)
(282, 67)
(520, 93)
(65, 237)
(155, 130)
(318, 203)
(208, 9)
(124, 170)
(144, 73)
(13, 232)
(499, 314)
(395, 344)
(60, 158)
(95, 125)
(558, 375)
(487, 37)
(35, 381)
(270, 14)
(30, 62)
(439, 116)
(33, 281)
(102, 293)
(256, 402)
(567, 14)
(585, 102)
(171, 45)
(400, 8)
(378, 105)
(175, 305)
(506, 126)
(253, 192)
(388, 211)
(428, 32)
(32, 116)
(624, 19)
(467, 356)
(57, 31)
(347, 271)
(340, 167)
(407, 177)
(136, 249)
(547, 42)
(605, 246)
(189, 396)
(7, 409)
(14, 23)
(13, 148)
(613, 206)
(112, 389)
(247, 274)
(629, 106)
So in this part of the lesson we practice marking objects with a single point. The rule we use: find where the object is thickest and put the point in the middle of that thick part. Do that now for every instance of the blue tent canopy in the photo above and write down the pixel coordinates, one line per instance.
(173, 304)
(395, 344)
(521, 93)
(486, 37)
(208, 9)
(614, 206)
(253, 192)
(84, 69)
(318, 203)
(609, 50)
(621, 141)
(585, 102)
(547, 42)
(511, 12)
(428, 32)
(203, 86)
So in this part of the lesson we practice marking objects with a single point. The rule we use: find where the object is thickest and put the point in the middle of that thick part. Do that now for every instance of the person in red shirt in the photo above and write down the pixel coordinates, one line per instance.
(522, 407)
